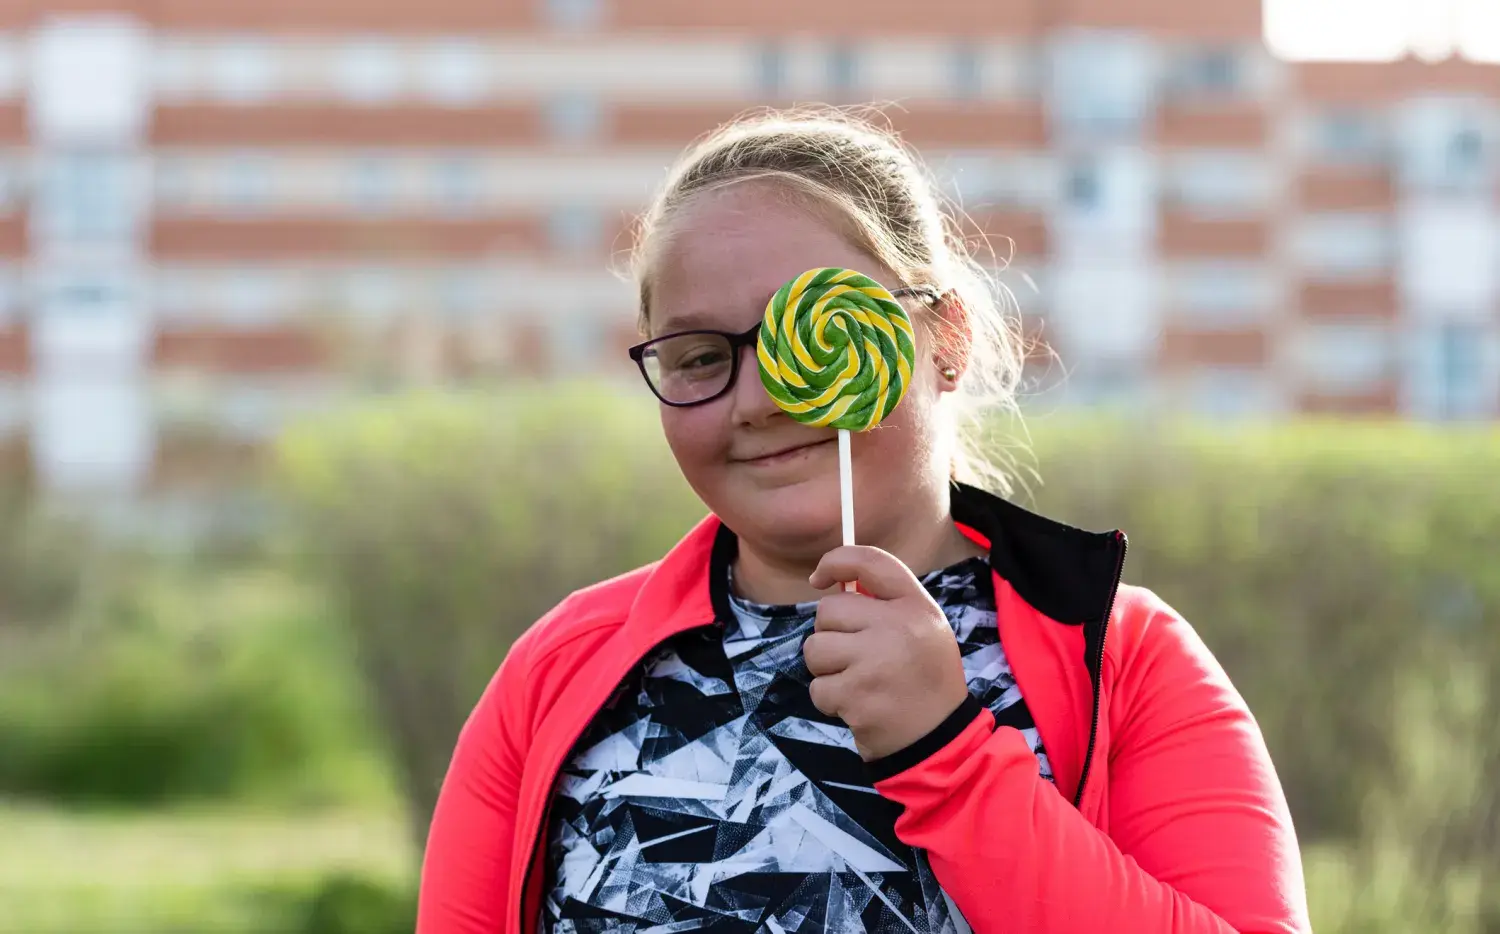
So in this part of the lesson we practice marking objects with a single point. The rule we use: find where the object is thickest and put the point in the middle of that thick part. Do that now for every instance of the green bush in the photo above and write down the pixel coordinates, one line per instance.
(339, 903)
(354, 905)
(444, 525)
(182, 685)
(46, 562)
(1332, 568)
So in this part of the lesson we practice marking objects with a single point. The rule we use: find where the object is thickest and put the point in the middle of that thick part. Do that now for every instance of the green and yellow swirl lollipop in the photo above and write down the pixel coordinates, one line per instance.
(836, 349)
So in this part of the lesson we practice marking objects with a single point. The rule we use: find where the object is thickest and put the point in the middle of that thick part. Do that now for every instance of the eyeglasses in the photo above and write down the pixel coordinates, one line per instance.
(693, 367)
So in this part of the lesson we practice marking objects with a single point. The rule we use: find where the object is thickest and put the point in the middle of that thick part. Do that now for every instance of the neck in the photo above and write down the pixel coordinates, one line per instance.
(778, 576)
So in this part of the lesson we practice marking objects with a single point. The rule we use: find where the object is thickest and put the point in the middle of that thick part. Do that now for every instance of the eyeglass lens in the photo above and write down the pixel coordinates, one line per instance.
(686, 368)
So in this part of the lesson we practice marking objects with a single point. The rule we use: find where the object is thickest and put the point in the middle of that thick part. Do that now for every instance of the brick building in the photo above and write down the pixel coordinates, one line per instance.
(213, 215)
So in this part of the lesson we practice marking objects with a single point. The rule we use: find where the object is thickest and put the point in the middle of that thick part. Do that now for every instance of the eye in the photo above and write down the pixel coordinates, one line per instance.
(707, 356)
(698, 357)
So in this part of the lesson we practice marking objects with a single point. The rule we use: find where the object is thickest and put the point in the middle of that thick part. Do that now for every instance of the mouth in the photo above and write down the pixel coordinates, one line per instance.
(785, 455)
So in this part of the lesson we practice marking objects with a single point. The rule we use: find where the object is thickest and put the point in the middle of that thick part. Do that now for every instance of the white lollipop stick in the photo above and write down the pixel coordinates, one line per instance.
(846, 491)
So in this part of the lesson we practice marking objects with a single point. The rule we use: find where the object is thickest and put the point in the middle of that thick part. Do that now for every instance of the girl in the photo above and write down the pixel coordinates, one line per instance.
(993, 734)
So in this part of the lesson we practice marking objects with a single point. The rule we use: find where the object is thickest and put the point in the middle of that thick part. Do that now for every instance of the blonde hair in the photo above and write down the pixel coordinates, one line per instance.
(893, 209)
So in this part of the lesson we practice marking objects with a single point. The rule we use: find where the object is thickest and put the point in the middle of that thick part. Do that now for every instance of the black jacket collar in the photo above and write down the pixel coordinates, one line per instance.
(1067, 574)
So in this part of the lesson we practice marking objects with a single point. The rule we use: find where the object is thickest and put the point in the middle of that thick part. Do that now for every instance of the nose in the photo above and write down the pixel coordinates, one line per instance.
(750, 404)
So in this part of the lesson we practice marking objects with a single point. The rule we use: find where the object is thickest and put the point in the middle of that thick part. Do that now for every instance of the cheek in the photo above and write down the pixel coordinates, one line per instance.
(905, 439)
(697, 436)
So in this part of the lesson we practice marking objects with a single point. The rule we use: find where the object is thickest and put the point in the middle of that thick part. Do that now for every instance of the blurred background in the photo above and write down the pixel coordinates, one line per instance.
(310, 318)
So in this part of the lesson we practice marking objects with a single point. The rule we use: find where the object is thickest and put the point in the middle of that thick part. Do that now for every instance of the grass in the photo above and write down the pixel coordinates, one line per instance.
(229, 872)
(75, 872)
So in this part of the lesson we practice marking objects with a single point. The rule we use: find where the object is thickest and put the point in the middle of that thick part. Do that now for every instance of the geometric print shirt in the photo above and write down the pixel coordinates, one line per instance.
(711, 795)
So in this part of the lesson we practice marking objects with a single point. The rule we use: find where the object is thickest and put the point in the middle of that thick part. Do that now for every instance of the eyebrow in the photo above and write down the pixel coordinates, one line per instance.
(691, 321)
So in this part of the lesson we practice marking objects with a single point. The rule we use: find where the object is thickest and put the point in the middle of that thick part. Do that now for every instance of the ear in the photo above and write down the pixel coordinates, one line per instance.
(953, 335)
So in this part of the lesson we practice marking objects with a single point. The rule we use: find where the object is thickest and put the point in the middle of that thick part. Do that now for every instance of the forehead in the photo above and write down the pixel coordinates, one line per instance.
(725, 253)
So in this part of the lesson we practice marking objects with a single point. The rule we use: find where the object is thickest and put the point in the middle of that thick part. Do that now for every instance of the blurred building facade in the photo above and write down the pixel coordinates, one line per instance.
(214, 215)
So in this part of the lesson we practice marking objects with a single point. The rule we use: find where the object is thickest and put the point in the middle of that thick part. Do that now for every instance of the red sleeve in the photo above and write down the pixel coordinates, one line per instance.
(1200, 842)
(466, 868)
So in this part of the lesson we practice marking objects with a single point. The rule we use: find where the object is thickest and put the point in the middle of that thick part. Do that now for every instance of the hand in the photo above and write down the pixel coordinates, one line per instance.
(884, 659)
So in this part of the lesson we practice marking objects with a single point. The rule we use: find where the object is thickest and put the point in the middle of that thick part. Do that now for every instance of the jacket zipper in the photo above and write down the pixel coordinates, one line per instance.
(541, 828)
(1096, 669)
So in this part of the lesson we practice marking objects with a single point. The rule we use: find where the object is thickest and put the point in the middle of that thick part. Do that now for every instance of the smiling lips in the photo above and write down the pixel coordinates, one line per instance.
(776, 457)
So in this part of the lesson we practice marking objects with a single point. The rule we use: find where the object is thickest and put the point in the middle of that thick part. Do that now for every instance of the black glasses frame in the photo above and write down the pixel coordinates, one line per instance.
(737, 343)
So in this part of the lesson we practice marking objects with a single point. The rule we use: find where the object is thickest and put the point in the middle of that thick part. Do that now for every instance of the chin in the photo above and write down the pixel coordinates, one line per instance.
(793, 519)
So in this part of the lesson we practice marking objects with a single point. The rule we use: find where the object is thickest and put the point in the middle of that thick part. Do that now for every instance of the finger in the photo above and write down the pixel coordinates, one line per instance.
(845, 612)
(827, 693)
(828, 653)
(880, 573)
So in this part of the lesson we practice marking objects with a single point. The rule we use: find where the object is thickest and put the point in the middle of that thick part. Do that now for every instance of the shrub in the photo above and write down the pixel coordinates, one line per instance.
(444, 525)
(44, 562)
(181, 685)
(339, 903)
(1347, 577)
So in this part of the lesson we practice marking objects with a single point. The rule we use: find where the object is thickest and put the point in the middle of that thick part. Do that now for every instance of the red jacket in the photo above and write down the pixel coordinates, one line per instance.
(1166, 816)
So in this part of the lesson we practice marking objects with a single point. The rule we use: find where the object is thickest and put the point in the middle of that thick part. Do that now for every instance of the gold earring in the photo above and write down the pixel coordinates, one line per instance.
(950, 373)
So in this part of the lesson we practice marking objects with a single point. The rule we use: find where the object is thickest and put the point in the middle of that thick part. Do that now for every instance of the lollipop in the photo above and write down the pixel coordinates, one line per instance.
(836, 349)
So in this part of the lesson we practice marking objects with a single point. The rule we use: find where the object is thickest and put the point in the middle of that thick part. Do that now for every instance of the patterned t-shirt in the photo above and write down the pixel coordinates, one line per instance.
(712, 794)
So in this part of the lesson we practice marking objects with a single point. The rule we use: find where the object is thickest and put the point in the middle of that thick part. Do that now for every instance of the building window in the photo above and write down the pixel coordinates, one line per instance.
(969, 177)
(1342, 245)
(1104, 310)
(771, 69)
(1221, 293)
(1218, 183)
(1107, 385)
(1449, 255)
(575, 229)
(1102, 83)
(457, 185)
(10, 293)
(1454, 370)
(574, 14)
(461, 293)
(12, 54)
(1228, 392)
(1465, 390)
(172, 182)
(843, 71)
(1105, 196)
(251, 297)
(243, 71)
(574, 118)
(12, 184)
(371, 185)
(1081, 191)
(174, 69)
(1444, 145)
(247, 183)
(88, 196)
(176, 295)
(372, 295)
(574, 339)
(369, 72)
(968, 72)
(1027, 181)
(1207, 72)
(88, 298)
(89, 79)
(1350, 137)
(455, 72)
(1346, 359)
